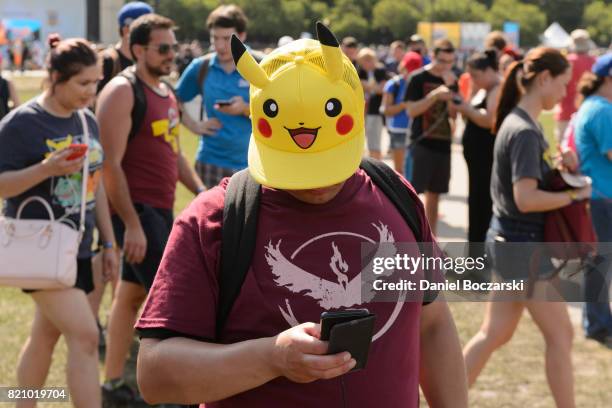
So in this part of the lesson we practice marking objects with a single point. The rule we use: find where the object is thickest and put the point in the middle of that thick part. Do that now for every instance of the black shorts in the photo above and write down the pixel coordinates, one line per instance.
(430, 170)
(84, 280)
(157, 224)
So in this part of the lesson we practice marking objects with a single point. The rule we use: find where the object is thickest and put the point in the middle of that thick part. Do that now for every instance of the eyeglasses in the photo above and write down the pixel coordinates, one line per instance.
(165, 48)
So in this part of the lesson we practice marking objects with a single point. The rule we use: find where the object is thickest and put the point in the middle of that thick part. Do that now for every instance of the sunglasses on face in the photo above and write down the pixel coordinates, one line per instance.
(165, 48)
(445, 61)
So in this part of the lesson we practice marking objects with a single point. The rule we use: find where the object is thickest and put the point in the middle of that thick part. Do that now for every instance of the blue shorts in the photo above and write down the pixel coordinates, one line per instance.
(398, 139)
(516, 249)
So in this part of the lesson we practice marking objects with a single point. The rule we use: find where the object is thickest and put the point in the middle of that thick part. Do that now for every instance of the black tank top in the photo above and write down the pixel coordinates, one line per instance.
(476, 139)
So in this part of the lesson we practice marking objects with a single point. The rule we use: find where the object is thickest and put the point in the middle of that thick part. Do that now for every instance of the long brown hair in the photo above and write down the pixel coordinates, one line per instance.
(521, 75)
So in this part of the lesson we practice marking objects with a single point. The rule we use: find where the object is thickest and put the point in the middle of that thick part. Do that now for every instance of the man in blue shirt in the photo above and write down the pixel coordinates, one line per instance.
(225, 98)
(593, 131)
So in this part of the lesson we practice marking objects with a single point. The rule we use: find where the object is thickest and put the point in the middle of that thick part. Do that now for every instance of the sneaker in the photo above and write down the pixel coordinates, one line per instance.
(604, 339)
(118, 394)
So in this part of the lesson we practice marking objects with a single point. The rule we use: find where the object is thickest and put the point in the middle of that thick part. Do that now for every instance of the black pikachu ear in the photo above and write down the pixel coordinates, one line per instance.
(331, 52)
(325, 36)
(247, 66)
(238, 48)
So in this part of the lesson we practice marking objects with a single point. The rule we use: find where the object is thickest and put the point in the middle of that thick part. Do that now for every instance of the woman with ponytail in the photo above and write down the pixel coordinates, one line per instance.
(519, 203)
(42, 155)
(478, 141)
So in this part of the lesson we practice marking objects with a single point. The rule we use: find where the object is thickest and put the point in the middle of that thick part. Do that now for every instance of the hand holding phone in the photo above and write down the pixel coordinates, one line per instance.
(349, 330)
(223, 102)
(78, 151)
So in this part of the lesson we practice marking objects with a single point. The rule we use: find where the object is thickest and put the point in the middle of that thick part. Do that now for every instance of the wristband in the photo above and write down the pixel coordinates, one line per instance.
(200, 190)
(108, 245)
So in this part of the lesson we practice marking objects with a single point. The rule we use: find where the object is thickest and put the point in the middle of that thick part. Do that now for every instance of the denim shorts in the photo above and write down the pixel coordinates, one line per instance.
(515, 249)
(398, 139)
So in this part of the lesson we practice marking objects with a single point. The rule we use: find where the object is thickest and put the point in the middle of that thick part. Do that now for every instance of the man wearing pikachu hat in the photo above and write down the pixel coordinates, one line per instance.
(252, 263)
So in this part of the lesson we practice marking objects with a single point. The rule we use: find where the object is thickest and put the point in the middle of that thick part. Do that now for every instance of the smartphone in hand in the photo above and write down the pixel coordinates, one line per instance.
(349, 330)
(78, 151)
(223, 102)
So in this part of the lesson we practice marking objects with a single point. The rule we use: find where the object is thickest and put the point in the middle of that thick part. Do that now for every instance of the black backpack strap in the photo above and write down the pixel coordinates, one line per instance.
(404, 200)
(240, 214)
(140, 100)
(389, 182)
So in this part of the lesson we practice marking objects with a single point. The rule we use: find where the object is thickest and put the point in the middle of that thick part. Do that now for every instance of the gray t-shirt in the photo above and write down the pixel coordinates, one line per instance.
(518, 153)
(27, 136)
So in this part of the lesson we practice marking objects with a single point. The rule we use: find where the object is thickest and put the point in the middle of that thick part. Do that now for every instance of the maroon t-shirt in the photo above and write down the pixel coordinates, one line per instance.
(292, 281)
(150, 162)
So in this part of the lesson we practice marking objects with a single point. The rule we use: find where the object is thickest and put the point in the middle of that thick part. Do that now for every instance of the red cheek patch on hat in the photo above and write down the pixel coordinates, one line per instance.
(264, 127)
(344, 124)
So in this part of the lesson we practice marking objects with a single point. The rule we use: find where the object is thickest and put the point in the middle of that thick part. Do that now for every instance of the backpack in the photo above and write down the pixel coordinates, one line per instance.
(4, 97)
(203, 71)
(140, 100)
(111, 54)
(239, 229)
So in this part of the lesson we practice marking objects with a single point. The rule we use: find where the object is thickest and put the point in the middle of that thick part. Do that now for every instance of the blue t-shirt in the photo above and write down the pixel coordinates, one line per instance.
(594, 140)
(29, 134)
(229, 146)
(396, 86)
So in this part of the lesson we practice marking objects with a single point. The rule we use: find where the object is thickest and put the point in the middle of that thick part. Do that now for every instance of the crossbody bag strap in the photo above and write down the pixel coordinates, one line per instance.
(85, 173)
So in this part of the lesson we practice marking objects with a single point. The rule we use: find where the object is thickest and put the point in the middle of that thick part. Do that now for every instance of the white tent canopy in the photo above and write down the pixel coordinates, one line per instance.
(556, 37)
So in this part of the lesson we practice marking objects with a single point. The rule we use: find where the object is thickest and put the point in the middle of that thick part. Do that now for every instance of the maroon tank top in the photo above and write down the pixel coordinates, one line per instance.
(150, 160)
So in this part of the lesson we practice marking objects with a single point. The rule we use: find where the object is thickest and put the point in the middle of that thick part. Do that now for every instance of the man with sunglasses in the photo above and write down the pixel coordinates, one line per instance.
(429, 102)
(142, 166)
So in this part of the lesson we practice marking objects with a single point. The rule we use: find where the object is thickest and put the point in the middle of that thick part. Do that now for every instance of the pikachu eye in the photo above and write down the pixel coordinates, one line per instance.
(270, 108)
(333, 107)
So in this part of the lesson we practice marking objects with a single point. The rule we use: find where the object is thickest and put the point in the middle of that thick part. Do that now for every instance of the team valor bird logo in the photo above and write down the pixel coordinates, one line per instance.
(343, 293)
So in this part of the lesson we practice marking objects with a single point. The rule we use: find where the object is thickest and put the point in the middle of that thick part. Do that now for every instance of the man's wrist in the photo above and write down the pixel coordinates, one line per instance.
(267, 353)
(107, 245)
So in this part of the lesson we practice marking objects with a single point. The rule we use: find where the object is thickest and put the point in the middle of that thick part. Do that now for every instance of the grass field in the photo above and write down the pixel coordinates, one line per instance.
(513, 378)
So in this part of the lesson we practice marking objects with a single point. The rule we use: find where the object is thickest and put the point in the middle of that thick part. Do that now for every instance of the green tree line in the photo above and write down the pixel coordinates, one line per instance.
(379, 21)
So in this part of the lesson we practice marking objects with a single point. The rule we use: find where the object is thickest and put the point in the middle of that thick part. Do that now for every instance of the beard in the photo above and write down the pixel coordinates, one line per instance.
(163, 69)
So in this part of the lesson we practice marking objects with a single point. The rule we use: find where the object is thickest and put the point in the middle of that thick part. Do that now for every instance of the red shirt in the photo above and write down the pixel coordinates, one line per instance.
(580, 63)
(150, 162)
(295, 244)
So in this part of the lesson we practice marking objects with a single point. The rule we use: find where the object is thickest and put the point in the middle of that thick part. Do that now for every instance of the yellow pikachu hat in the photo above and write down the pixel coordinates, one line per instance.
(307, 110)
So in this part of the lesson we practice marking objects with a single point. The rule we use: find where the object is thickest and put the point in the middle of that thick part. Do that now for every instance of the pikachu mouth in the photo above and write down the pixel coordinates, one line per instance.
(303, 137)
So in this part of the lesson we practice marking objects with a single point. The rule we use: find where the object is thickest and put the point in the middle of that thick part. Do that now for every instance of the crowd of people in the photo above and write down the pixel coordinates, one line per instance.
(299, 118)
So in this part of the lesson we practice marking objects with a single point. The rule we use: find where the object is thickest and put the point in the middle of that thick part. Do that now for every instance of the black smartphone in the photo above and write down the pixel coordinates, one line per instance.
(349, 330)
(330, 319)
(223, 102)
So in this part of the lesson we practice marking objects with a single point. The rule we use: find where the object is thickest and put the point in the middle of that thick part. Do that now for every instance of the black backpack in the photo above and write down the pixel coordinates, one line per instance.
(139, 109)
(240, 213)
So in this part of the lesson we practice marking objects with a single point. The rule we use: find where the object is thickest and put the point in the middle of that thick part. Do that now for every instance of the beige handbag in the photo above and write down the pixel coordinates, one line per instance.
(42, 254)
